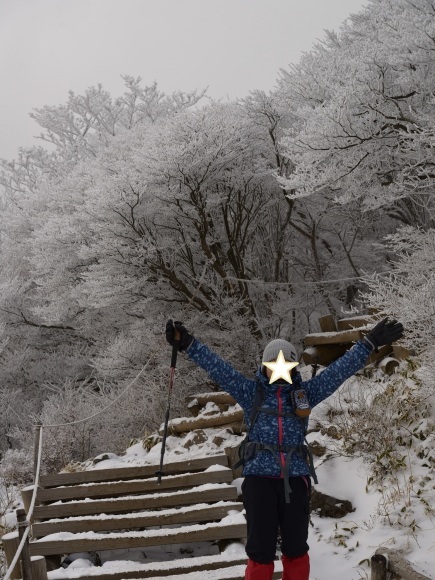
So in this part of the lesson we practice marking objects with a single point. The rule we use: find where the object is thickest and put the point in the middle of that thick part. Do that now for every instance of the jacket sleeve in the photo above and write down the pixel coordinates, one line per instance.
(327, 382)
(229, 380)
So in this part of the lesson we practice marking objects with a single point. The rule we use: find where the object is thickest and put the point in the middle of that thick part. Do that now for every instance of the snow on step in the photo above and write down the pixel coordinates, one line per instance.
(342, 337)
(232, 518)
(184, 424)
(115, 570)
(202, 399)
(104, 522)
(133, 472)
(233, 573)
(355, 322)
(207, 492)
(231, 527)
(220, 475)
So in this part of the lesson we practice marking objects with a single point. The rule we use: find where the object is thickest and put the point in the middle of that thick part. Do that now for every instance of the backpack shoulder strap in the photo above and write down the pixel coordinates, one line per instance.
(256, 406)
(260, 395)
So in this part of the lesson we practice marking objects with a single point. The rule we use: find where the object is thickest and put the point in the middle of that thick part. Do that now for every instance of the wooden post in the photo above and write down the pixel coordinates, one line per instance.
(36, 449)
(401, 352)
(26, 568)
(39, 568)
(10, 543)
(328, 323)
(378, 565)
(399, 566)
(383, 352)
(26, 496)
(389, 365)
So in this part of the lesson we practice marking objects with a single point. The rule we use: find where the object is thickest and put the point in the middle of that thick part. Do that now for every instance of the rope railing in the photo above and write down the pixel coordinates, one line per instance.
(25, 536)
(29, 514)
(40, 430)
(114, 400)
(305, 283)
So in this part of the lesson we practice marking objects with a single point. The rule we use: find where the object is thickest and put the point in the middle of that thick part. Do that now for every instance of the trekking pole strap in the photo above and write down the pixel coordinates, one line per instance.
(311, 462)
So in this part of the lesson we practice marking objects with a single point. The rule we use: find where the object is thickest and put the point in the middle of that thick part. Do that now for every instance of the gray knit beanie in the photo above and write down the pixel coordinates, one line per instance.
(272, 349)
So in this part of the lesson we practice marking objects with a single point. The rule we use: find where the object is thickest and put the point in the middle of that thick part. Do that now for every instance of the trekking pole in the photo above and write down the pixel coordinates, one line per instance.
(159, 473)
(315, 367)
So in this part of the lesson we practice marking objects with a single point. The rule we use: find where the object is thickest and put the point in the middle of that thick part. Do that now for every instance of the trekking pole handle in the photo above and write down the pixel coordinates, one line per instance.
(175, 348)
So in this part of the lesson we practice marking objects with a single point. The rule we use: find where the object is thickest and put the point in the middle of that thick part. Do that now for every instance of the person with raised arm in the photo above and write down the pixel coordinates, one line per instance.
(277, 465)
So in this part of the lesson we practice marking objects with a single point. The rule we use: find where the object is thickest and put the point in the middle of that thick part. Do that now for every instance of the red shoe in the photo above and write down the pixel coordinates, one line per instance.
(257, 571)
(296, 568)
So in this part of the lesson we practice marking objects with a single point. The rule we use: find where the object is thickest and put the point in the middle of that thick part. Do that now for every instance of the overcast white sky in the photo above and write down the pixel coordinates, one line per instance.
(48, 47)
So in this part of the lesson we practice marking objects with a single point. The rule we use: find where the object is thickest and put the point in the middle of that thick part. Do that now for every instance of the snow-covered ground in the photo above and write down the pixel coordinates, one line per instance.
(340, 549)
(397, 513)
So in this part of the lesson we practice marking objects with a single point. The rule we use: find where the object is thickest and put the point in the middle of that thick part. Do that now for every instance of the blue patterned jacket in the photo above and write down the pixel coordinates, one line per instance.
(273, 429)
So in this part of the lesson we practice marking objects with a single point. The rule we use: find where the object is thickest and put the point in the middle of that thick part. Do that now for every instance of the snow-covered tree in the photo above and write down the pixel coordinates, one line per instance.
(364, 106)
(408, 292)
(147, 207)
(39, 353)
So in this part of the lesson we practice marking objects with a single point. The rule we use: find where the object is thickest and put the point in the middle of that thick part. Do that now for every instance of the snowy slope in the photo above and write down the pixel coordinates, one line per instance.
(393, 508)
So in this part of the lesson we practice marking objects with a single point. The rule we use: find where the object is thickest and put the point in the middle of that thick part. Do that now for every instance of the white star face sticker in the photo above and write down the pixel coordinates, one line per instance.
(280, 368)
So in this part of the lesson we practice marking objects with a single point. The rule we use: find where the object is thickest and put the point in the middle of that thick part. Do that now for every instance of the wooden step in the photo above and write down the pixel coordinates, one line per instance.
(236, 573)
(200, 494)
(167, 536)
(186, 464)
(186, 424)
(383, 352)
(231, 573)
(115, 488)
(166, 569)
(326, 354)
(220, 400)
(343, 337)
(219, 397)
(401, 352)
(185, 515)
(355, 322)
(323, 354)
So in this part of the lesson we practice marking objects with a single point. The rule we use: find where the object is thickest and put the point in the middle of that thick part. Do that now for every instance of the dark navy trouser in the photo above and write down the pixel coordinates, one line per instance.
(267, 512)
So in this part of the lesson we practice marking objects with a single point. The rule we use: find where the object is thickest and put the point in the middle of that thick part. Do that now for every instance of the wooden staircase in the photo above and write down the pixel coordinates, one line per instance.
(125, 508)
(190, 505)
(338, 336)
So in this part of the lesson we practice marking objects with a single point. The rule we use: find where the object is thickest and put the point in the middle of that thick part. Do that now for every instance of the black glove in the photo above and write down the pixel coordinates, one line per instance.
(385, 332)
(186, 339)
